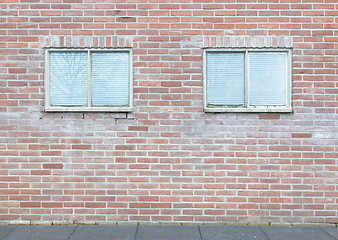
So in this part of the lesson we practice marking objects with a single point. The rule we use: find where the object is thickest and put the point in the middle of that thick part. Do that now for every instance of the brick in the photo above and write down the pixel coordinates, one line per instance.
(9, 204)
(269, 116)
(53, 166)
(40, 172)
(17, 70)
(30, 204)
(302, 135)
(138, 128)
(82, 147)
(167, 160)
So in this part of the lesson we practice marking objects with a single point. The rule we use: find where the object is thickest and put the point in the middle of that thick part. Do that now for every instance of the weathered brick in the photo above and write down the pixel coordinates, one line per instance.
(167, 160)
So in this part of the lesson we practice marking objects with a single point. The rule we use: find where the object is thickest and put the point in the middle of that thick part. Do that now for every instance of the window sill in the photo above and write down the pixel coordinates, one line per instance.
(88, 109)
(249, 110)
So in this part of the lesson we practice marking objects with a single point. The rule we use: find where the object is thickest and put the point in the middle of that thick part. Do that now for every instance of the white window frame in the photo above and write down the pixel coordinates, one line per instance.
(89, 108)
(247, 107)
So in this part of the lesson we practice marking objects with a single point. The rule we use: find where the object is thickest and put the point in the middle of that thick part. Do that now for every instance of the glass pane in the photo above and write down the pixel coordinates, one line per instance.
(110, 78)
(225, 79)
(68, 73)
(267, 78)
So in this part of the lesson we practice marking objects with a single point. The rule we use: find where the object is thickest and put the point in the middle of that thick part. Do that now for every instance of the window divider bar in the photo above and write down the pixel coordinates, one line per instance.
(246, 79)
(89, 79)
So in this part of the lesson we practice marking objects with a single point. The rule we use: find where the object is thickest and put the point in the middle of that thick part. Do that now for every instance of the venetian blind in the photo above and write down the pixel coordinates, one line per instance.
(110, 78)
(267, 79)
(68, 83)
(225, 74)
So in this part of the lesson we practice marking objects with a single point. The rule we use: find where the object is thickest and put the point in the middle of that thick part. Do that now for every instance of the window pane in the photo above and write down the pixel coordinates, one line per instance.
(68, 73)
(267, 79)
(110, 78)
(225, 79)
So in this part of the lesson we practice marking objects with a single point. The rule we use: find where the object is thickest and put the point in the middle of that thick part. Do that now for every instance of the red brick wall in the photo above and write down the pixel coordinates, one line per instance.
(168, 161)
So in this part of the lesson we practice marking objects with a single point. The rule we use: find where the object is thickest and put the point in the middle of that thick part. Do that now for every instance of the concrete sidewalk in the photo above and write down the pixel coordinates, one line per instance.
(170, 232)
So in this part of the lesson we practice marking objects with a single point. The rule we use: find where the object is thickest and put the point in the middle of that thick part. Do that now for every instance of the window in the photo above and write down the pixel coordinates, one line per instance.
(247, 80)
(80, 80)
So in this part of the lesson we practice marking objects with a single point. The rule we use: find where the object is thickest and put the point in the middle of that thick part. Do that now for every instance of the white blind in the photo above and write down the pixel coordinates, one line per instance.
(68, 83)
(225, 79)
(267, 78)
(110, 78)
